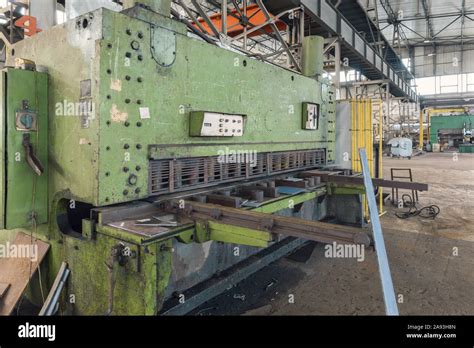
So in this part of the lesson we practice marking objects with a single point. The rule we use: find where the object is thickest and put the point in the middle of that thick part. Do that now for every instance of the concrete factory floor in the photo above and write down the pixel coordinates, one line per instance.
(432, 261)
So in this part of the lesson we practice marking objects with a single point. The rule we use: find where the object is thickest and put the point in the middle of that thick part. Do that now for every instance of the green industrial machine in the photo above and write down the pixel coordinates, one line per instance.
(123, 155)
(454, 130)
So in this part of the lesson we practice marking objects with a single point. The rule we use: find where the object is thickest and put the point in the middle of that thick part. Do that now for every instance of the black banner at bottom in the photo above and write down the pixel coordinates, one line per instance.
(451, 331)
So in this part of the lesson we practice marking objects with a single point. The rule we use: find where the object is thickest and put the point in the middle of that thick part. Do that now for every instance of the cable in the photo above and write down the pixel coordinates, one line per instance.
(428, 212)
(408, 202)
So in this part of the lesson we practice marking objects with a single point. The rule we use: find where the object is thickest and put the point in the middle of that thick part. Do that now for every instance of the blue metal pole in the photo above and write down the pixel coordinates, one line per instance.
(391, 307)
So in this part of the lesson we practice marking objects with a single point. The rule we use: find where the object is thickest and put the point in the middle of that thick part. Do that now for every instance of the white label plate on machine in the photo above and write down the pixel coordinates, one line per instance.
(312, 116)
(222, 125)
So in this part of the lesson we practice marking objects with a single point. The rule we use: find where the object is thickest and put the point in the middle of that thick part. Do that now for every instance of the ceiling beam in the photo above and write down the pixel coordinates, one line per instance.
(394, 20)
(431, 16)
(429, 23)
(430, 32)
(445, 27)
(463, 20)
(431, 38)
(447, 41)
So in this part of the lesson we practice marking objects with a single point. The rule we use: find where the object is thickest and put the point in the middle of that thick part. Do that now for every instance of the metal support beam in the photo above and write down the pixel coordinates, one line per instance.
(277, 33)
(429, 24)
(431, 35)
(191, 15)
(206, 18)
(446, 27)
(254, 40)
(280, 225)
(463, 21)
(433, 16)
(357, 180)
(422, 129)
(191, 27)
(394, 20)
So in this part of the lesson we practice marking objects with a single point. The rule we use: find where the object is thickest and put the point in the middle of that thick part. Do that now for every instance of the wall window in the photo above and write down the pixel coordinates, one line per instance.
(426, 85)
(461, 83)
(470, 82)
(407, 63)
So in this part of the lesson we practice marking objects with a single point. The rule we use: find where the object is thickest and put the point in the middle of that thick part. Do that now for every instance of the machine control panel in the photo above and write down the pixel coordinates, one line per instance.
(212, 124)
(311, 113)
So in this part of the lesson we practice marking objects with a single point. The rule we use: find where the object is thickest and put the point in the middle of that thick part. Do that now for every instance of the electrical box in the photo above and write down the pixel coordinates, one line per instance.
(23, 148)
(212, 124)
(311, 113)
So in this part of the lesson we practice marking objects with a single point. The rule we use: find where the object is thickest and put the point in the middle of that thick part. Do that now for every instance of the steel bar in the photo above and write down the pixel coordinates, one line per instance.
(269, 21)
(330, 45)
(463, 22)
(447, 26)
(192, 16)
(191, 27)
(237, 8)
(431, 16)
(289, 226)
(429, 22)
(224, 17)
(357, 180)
(239, 16)
(382, 259)
(321, 236)
(337, 58)
(277, 33)
(413, 31)
(53, 296)
(245, 20)
(206, 18)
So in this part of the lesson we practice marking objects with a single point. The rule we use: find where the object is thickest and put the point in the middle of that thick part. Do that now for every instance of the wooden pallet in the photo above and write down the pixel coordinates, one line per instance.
(16, 272)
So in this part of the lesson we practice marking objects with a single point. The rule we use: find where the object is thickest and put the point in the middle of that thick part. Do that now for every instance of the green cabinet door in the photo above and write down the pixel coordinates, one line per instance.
(24, 148)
